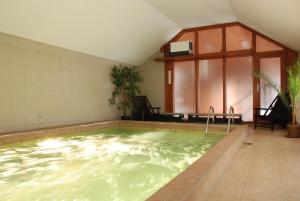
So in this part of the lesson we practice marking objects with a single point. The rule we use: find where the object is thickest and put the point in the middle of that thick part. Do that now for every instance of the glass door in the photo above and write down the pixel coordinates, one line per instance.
(271, 67)
(239, 86)
(210, 85)
(184, 87)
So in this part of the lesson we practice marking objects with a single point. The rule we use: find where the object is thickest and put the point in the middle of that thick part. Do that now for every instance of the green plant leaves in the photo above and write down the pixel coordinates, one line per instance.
(294, 86)
(274, 86)
(293, 72)
(126, 81)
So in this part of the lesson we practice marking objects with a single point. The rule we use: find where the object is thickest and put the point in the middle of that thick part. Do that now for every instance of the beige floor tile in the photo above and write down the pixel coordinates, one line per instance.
(289, 169)
(291, 158)
(233, 189)
(272, 163)
(236, 172)
(265, 168)
(291, 197)
(291, 185)
(243, 157)
(214, 197)
(261, 189)
(265, 172)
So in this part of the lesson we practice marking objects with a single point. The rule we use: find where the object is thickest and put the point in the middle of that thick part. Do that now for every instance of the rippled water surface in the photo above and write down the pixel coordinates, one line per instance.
(114, 164)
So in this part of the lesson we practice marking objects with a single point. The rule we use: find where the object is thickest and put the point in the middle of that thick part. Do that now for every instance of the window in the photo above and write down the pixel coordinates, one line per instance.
(263, 45)
(239, 79)
(238, 38)
(184, 87)
(209, 41)
(210, 85)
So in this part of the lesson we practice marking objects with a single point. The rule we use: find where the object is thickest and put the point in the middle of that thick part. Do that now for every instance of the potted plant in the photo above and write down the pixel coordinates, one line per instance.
(293, 91)
(126, 81)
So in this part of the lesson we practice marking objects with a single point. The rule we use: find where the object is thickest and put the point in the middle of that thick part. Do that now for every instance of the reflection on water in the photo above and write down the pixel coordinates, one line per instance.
(114, 164)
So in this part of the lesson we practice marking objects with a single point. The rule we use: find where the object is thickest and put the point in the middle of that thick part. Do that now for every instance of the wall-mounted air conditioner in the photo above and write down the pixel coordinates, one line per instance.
(180, 48)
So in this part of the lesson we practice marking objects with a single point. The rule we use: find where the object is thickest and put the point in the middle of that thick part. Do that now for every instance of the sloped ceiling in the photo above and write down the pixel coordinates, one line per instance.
(124, 30)
(192, 13)
(132, 30)
(278, 19)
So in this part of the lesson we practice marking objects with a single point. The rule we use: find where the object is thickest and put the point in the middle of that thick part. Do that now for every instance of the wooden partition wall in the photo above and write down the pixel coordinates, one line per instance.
(220, 70)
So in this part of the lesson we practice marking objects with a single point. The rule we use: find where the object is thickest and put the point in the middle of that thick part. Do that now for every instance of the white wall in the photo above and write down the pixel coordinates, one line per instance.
(154, 81)
(42, 86)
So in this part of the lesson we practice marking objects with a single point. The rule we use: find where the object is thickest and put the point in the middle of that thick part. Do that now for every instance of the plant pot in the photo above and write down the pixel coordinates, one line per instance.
(125, 117)
(293, 131)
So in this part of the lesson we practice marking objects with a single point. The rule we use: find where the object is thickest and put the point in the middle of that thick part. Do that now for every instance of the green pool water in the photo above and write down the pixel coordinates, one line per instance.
(115, 164)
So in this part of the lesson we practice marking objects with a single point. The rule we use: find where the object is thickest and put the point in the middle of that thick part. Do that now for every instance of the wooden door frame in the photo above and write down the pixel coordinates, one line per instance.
(169, 66)
(256, 81)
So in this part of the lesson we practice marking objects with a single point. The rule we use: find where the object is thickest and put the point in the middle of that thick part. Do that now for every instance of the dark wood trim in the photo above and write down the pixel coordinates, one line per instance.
(223, 40)
(276, 53)
(224, 86)
(239, 53)
(178, 58)
(169, 88)
(196, 85)
(253, 41)
(196, 71)
(291, 57)
(283, 73)
(210, 56)
(287, 55)
(214, 26)
(224, 25)
(172, 87)
(256, 94)
(196, 43)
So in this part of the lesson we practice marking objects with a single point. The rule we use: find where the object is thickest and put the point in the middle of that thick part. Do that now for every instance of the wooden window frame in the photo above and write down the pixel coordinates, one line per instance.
(287, 55)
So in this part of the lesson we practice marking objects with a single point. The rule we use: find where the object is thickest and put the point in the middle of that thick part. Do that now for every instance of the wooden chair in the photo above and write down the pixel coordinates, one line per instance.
(276, 113)
(143, 110)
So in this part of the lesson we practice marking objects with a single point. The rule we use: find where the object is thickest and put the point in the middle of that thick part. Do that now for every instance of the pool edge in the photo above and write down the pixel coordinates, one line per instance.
(19, 136)
(195, 182)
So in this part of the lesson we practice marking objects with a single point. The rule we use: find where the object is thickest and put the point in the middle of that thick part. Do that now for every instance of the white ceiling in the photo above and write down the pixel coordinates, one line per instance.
(124, 30)
(192, 13)
(278, 19)
(132, 30)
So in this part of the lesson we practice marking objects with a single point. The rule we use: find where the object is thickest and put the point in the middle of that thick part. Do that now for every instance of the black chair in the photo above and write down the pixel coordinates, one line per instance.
(142, 109)
(276, 113)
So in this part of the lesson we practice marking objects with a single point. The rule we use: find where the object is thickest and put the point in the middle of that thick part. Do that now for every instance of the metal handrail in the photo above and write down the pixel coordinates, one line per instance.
(231, 116)
(211, 111)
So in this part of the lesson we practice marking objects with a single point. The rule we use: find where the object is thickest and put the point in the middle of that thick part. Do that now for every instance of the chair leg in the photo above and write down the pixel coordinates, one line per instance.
(255, 121)
(272, 127)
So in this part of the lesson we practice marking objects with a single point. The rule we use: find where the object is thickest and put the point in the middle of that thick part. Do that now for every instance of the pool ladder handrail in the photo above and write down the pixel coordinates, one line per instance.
(211, 112)
(231, 116)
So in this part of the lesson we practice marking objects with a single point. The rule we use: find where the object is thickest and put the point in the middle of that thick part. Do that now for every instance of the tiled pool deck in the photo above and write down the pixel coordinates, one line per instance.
(267, 170)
